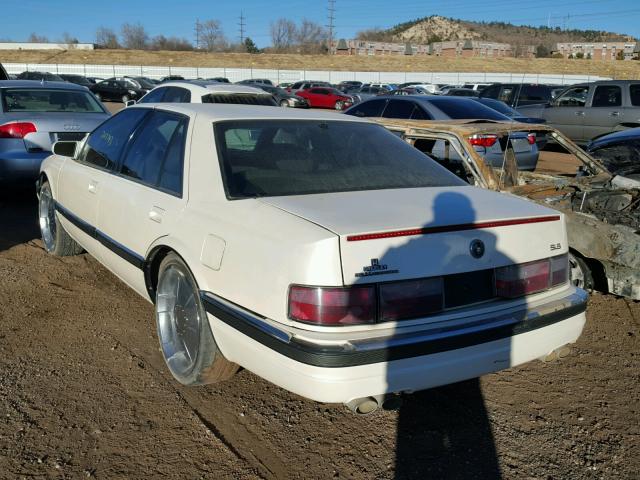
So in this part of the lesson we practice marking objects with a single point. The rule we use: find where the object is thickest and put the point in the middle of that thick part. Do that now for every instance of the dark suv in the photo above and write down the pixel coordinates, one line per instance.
(518, 94)
(49, 77)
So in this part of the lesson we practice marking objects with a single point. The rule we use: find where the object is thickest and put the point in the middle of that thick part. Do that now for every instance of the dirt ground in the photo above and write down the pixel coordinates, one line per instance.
(360, 63)
(84, 393)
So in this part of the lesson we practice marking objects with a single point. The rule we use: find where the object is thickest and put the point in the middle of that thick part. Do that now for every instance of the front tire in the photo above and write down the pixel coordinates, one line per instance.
(55, 238)
(97, 95)
(339, 105)
(186, 340)
(125, 99)
(284, 103)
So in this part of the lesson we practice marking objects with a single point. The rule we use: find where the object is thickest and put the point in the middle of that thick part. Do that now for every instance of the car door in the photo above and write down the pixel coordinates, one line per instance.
(604, 113)
(145, 197)
(566, 113)
(81, 179)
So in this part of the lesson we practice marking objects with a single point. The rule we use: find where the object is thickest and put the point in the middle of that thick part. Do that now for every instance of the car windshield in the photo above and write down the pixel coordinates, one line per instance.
(49, 100)
(262, 158)
(460, 109)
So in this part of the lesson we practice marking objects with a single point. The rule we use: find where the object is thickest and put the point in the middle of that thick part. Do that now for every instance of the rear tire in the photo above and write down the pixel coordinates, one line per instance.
(187, 343)
(55, 238)
(579, 272)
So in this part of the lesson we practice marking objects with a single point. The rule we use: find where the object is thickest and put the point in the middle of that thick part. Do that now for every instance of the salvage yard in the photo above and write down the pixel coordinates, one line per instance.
(84, 393)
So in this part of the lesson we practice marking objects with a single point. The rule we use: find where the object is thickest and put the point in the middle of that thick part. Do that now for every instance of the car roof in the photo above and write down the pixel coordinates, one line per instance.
(204, 87)
(40, 84)
(222, 111)
(615, 137)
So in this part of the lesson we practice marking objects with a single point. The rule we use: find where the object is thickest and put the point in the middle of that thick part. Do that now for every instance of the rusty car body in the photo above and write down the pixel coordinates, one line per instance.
(602, 209)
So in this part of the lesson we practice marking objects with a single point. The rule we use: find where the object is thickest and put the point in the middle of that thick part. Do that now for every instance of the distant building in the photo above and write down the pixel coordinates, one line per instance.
(45, 46)
(598, 50)
(462, 48)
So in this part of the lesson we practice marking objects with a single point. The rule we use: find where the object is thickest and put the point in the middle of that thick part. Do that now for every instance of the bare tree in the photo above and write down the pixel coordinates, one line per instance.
(35, 38)
(134, 37)
(283, 34)
(310, 37)
(211, 36)
(107, 38)
(161, 42)
(70, 41)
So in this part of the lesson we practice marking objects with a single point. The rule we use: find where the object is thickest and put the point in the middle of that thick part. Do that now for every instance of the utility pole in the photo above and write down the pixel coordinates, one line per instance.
(331, 10)
(242, 25)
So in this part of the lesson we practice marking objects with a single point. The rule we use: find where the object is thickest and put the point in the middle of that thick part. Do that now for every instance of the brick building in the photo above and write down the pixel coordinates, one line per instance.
(461, 48)
(598, 50)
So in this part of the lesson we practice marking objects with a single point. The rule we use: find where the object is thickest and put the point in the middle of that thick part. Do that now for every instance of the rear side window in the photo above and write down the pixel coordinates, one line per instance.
(607, 96)
(155, 156)
(491, 92)
(398, 109)
(177, 95)
(154, 96)
(634, 91)
(371, 108)
(45, 100)
(105, 144)
(534, 93)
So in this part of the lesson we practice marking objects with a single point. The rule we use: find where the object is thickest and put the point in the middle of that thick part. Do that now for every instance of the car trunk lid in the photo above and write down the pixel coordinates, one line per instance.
(422, 232)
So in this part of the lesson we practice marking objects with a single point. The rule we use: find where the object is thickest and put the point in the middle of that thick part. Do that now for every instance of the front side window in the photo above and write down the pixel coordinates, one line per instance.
(506, 94)
(286, 157)
(105, 144)
(574, 97)
(607, 96)
(491, 92)
(49, 100)
(155, 155)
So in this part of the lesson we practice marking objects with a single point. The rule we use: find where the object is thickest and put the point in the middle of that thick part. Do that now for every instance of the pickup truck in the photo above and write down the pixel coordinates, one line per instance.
(588, 110)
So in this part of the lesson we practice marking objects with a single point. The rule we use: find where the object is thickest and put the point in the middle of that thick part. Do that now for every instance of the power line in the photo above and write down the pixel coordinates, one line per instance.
(331, 10)
(242, 25)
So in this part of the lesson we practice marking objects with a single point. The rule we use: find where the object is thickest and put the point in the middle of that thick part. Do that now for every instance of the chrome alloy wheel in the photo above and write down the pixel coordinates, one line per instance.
(179, 319)
(576, 273)
(47, 218)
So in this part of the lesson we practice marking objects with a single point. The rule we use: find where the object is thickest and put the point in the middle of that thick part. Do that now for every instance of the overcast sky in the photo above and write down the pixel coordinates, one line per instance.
(81, 18)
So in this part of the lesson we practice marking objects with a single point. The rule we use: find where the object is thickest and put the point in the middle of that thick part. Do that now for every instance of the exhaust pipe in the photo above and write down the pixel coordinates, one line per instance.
(368, 405)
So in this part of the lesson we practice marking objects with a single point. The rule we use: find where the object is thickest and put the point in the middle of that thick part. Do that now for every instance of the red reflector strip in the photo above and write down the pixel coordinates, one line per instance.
(451, 228)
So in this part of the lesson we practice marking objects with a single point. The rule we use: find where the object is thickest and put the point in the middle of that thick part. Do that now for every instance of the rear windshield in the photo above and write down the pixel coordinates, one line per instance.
(262, 158)
(46, 100)
(497, 105)
(465, 109)
(239, 98)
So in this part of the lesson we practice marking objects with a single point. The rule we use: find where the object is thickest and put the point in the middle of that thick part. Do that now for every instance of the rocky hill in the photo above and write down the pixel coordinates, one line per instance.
(436, 28)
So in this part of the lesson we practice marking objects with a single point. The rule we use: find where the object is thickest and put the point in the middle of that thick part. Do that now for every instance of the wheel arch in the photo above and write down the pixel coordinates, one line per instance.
(596, 268)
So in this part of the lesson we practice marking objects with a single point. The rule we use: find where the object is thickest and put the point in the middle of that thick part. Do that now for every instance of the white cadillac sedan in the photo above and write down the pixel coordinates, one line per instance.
(319, 251)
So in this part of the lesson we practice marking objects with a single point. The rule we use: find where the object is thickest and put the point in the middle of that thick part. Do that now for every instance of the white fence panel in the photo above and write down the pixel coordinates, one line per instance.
(279, 76)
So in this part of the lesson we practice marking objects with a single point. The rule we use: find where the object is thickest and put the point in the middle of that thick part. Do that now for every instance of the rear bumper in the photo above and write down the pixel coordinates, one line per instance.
(18, 165)
(396, 361)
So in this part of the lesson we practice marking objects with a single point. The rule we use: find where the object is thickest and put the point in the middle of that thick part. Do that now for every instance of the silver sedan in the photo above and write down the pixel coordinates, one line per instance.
(34, 115)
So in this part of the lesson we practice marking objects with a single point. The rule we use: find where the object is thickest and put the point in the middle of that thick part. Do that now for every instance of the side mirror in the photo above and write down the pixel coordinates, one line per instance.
(65, 148)
(130, 103)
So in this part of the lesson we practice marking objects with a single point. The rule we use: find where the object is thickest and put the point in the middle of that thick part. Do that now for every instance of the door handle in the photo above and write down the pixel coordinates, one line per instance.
(580, 114)
(155, 214)
(615, 114)
(93, 186)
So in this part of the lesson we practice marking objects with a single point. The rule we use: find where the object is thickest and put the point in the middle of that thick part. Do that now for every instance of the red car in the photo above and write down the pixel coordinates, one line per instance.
(325, 97)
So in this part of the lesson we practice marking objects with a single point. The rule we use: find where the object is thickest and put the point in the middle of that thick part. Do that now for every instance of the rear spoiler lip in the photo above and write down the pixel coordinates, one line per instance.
(451, 228)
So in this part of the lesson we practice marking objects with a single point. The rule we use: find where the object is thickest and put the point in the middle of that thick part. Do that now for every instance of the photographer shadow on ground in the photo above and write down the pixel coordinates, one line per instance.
(445, 432)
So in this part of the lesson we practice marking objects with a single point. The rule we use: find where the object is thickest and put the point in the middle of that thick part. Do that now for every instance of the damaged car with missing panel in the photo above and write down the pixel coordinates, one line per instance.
(601, 203)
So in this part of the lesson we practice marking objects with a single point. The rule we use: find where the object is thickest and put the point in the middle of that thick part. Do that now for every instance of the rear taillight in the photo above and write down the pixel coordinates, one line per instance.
(333, 306)
(531, 138)
(16, 129)
(483, 140)
(532, 277)
(408, 299)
